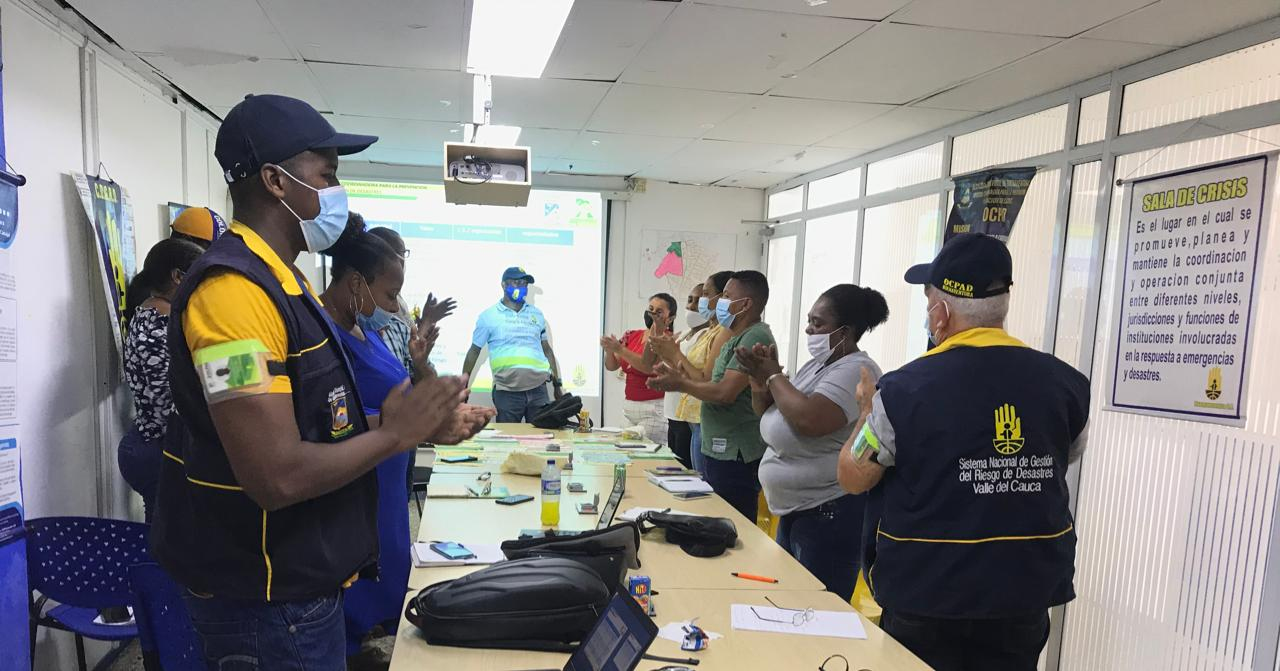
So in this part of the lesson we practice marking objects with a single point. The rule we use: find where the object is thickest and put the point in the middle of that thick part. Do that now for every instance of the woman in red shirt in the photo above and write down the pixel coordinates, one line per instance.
(643, 406)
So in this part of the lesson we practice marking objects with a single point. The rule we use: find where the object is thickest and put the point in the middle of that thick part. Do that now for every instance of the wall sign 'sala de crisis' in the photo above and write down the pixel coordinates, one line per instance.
(1186, 297)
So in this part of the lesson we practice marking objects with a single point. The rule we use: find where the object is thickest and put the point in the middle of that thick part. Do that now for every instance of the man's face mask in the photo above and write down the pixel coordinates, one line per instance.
(928, 323)
(516, 294)
(326, 227)
(724, 313)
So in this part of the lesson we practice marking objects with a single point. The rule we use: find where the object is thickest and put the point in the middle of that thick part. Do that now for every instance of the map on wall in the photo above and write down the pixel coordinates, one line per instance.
(674, 261)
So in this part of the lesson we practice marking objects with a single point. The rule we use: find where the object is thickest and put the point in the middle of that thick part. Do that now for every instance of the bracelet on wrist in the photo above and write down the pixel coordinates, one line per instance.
(769, 380)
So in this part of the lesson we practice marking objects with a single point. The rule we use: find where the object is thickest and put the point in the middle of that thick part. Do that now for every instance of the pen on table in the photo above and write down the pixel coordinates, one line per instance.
(758, 578)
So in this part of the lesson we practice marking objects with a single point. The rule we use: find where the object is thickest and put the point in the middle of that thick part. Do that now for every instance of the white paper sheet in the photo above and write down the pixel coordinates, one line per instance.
(829, 623)
(674, 631)
(424, 556)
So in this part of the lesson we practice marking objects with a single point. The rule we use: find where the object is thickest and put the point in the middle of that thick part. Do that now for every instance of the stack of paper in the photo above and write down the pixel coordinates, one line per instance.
(424, 556)
(679, 484)
(831, 623)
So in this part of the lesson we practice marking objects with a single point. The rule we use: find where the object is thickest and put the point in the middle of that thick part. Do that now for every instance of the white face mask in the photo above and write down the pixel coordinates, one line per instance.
(820, 346)
(322, 231)
(695, 319)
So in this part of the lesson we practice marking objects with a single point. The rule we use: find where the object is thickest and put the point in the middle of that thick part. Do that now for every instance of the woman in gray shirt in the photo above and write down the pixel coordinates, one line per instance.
(805, 420)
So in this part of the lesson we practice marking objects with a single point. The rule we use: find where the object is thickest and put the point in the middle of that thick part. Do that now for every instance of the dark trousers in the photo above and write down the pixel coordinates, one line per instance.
(140, 461)
(737, 483)
(679, 439)
(515, 407)
(1006, 644)
(827, 540)
(276, 636)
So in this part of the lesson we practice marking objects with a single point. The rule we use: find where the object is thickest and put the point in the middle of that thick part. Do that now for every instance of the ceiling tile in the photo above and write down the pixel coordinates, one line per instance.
(576, 167)
(812, 158)
(901, 124)
(545, 103)
(228, 31)
(740, 50)
(408, 134)
(400, 33)
(376, 154)
(793, 120)
(634, 152)
(707, 161)
(227, 84)
(897, 64)
(545, 143)
(602, 36)
(874, 10)
(400, 93)
(752, 179)
(1049, 70)
(1182, 22)
(653, 110)
(1051, 18)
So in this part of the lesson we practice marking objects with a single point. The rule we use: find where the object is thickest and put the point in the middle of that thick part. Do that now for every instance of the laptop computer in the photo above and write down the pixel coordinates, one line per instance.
(617, 641)
(615, 499)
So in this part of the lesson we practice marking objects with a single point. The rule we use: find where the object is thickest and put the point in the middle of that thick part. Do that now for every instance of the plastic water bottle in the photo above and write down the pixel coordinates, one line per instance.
(550, 494)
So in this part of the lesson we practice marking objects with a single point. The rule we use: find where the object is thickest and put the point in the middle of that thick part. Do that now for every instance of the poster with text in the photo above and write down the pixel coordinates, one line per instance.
(10, 458)
(988, 202)
(110, 215)
(1187, 290)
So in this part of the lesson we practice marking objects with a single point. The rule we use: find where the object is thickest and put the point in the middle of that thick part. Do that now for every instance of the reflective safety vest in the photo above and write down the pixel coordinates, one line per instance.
(207, 532)
(976, 520)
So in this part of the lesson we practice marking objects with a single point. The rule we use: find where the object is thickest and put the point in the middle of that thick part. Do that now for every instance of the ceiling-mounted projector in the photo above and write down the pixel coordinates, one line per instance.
(485, 175)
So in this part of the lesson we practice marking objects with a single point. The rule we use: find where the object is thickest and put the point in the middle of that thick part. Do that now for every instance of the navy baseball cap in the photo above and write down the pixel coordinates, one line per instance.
(514, 273)
(970, 265)
(269, 128)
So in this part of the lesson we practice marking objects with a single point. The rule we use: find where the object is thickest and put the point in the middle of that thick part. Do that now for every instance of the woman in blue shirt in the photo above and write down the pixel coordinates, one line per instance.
(360, 299)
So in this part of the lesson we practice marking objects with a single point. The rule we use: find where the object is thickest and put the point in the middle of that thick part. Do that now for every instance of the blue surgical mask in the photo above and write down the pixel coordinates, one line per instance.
(705, 309)
(722, 312)
(379, 320)
(321, 232)
(516, 294)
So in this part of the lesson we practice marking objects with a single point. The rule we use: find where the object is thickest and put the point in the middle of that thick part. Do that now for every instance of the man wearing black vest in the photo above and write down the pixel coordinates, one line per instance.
(968, 448)
(268, 499)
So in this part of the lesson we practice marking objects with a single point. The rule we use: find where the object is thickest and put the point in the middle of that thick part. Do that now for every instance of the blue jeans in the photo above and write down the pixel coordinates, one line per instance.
(695, 450)
(260, 636)
(140, 461)
(827, 540)
(737, 483)
(515, 407)
(1001, 644)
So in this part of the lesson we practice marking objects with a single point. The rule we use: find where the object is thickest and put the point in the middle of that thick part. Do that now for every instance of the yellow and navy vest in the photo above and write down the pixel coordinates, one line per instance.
(207, 532)
(976, 520)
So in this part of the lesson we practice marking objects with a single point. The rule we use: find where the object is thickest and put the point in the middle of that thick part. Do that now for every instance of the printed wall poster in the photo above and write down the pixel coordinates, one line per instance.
(109, 213)
(673, 262)
(988, 202)
(1186, 295)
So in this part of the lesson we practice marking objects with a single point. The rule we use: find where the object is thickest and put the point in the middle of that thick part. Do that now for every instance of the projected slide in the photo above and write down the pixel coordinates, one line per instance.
(461, 251)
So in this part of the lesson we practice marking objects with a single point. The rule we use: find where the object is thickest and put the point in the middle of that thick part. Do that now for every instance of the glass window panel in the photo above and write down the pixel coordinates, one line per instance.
(1031, 135)
(1250, 76)
(782, 278)
(829, 247)
(896, 237)
(835, 189)
(1031, 246)
(906, 169)
(786, 202)
(1076, 262)
(1093, 118)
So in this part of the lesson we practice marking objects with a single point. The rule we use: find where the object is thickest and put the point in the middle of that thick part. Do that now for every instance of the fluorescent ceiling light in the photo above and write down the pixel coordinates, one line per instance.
(498, 136)
(514, 37)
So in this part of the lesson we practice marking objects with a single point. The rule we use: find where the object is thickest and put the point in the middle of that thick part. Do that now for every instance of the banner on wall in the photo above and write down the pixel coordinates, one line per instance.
(988, 202)
(1186, 295)
(110, 215)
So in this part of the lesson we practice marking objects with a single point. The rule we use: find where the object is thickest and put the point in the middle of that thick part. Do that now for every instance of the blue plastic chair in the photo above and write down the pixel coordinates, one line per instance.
(82, 564)
(165, 633)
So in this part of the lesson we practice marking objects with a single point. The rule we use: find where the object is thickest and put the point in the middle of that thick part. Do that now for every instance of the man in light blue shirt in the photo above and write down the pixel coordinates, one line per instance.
(519, 351)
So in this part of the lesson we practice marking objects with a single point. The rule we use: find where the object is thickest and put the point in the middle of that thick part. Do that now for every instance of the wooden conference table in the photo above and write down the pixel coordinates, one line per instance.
(685, 587)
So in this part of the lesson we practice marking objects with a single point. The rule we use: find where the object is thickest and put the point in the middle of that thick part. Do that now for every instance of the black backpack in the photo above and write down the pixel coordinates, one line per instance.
(540, 603)
(560, 414)
(609, 552)
(695, 534)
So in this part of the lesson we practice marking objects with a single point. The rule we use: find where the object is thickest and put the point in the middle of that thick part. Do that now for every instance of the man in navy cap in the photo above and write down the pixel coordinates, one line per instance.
(267, 499)
(519, 351)
(967, 450)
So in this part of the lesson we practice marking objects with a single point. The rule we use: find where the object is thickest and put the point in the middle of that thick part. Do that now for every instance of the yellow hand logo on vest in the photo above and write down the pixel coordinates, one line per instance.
(1008, 430)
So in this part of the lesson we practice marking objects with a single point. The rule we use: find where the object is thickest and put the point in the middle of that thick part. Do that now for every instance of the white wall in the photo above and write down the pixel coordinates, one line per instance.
(669, 207)
(65, 358)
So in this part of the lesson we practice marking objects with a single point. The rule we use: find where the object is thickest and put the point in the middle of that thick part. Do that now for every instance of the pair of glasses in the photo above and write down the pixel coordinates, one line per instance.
(798, 617)
(404, 255)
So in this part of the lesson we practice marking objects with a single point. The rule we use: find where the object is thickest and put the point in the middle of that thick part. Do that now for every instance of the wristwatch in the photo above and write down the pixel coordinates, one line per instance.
(557, 382)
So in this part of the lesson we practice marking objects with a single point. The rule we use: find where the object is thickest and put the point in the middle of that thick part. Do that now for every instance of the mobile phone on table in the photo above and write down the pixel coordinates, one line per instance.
(458, 459)
(690, 495)
(452, 550)
(513, 500)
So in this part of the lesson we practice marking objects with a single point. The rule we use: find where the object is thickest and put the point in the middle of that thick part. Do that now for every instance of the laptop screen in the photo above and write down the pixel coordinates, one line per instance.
(618, 639)
(615, 499)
